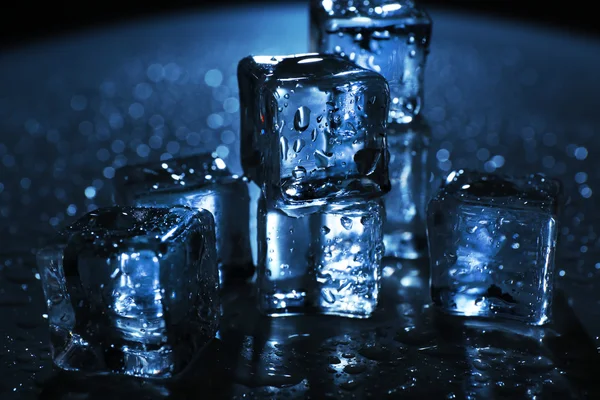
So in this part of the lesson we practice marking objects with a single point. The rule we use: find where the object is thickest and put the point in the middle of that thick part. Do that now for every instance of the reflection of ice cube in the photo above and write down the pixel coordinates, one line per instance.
(134, 290)
(201, 182)
(313, 128)
(491, 243)
(405, 204)
(58, 301)
(326, 262)
(389, 37)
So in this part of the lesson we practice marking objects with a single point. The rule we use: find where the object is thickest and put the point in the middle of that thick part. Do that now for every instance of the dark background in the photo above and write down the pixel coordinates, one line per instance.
(27, 20)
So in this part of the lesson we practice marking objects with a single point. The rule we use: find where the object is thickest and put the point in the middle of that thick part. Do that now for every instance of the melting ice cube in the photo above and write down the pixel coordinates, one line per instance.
(313, 129)
(491, 241)
(132, 291)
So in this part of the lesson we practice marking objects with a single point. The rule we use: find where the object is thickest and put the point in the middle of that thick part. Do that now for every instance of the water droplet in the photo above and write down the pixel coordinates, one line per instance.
(346, 129)
(334, 360)
(350, 385)
(355, 369)
(299, 172)
(283, 147)
(346, 223)
(367, 160)
(298, 145)
(324, 160)
(302, 118)
(325, 230)
(314, 135)
(328, 296)
(515, 245)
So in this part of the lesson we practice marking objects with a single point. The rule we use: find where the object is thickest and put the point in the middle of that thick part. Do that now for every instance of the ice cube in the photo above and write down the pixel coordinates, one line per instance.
(492, 240)
(133, 291)
(200, 182)
(389, 37)
(326, 262)
(404, 228)
(313, 129)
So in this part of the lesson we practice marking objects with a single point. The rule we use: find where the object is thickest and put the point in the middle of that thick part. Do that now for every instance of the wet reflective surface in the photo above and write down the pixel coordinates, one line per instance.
(406, 349)
(498, 97)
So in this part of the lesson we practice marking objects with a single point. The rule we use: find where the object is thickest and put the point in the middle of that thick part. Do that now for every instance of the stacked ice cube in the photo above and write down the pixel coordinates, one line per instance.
(313, 139)
(392, 38)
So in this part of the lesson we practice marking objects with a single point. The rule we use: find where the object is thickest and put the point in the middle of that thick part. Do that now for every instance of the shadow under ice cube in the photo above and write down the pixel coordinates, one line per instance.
(313, 129)
(492, 240)
(200, 182)
(133, 291)
(389, 37)
(326, 262)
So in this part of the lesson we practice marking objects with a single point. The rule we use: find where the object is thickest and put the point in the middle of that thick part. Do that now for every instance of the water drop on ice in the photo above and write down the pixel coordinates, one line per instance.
(298, 172)
(314, 134)
(283, 147)
(298, 145)
(347, 129)
(302, 118)
(328, 296)
(324, 160)
(346, 223)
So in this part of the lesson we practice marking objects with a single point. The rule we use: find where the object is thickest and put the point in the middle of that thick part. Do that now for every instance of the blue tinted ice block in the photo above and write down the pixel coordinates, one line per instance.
(132, 291)
(313, 129)
(327, 262)
(492, 240)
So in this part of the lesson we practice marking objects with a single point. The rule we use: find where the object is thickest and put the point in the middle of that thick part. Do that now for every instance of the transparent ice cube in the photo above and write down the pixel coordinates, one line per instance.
(492, 240)
(389, 37)
(326, 262)
(200, 182)
(313, 129)
(404, 228)
(132, 291)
